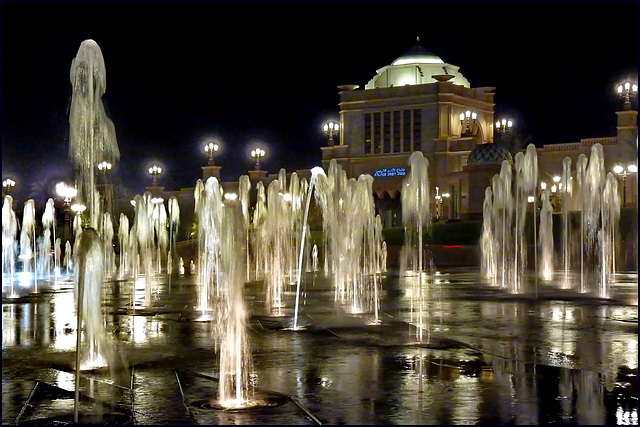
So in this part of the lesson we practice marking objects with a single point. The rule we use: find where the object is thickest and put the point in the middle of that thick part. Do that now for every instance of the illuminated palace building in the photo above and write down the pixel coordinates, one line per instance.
(419, 102)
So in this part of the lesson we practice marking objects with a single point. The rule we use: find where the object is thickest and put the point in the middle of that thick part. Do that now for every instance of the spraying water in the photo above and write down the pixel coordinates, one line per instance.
(315, 173)
(67, 256)
(48, 222)
(567, 189)
(416, 216)
(210, 215)
(9, 231)
(349, 217)
(174, 223)
(99, 351)
(144, 236)
(123, 238)
(92, 136)
(581, 177)
(488, 265)
(28, 232)
(259, 218)
(546, 238)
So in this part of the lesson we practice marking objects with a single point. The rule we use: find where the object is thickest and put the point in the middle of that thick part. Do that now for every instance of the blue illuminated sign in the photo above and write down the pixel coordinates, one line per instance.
(389, 172)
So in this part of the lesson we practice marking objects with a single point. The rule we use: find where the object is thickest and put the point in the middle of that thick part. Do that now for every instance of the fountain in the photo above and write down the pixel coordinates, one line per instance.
(599, 205)
(92, 135)
(416, 216)
(27, 233)
(353, 245)
(546, 238)
(174, 223)
(123, 240)
(48, 221)
(9, 230)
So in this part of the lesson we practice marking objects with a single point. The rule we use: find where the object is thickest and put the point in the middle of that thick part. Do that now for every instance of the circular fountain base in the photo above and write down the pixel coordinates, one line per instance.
(271, 401)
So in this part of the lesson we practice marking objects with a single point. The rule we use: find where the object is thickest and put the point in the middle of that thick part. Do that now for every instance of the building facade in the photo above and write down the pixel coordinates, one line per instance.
(421, 103)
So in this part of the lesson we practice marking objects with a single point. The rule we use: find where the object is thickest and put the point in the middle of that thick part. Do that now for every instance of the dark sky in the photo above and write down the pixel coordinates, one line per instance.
(247, 72)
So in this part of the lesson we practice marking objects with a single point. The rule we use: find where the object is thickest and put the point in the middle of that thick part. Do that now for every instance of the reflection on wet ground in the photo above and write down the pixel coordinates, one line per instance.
(487, 357)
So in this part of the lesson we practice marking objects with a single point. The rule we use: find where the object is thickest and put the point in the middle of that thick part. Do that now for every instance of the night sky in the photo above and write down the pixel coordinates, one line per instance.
(178, 73)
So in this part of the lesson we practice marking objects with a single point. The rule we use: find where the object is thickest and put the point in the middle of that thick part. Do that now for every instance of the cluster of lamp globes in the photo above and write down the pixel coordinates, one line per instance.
(68, 193)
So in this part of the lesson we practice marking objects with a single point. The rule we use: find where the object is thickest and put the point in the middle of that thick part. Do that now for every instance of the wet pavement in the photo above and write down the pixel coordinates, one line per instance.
(487, 357)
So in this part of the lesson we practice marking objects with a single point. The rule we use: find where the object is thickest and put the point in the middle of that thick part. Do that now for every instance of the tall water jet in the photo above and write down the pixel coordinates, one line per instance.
(89, 261)
(609, 231)
(123, 240)
(244, 187)
(97, 353)
(107, 238)
(67, 256)
(349, 216)
(198, 193)
(315, 173)
(546, 238)
(277, 245)
(144, 235)
(210, 233)
(174, 223)
(530, 175)
(520, 258)
(488, 265)
(581, 178)
(48, 222)
(566, 189)
(28, 232)
(503, 205)
(235, 390)
(161, 233)
(595, 176)
(415, 215)
(92, 135)
(259, 218)
(9, 231)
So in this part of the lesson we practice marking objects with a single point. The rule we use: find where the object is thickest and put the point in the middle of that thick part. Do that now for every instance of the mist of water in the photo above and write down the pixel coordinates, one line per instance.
(9, 231)
(92, 135)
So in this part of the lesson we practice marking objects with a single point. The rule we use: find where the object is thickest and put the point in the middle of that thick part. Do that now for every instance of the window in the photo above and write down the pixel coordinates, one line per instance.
(387, 132)
(406, 125)
(396, 132)
(417, 130)
(377, 137)
(367, 133)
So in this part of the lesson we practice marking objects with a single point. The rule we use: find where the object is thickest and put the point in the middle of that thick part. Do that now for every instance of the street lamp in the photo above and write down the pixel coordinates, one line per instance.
(503, 126)
(330, 129)
(7, 185)
(154, 171)
(619, 170)
(104, 166)
(67, 193)
(626, 91)
(257, 154)
(468, 121)
(210, 149)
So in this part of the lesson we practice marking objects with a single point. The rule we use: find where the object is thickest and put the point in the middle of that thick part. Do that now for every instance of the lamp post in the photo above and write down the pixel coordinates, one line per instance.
(256, 155)
(67, 193)
(626, 91)
(104, 167)
(7, 186)
(154, 171)
(624, 172)
(503, 126)
(210, 149)
(330, 129)
(468, 121)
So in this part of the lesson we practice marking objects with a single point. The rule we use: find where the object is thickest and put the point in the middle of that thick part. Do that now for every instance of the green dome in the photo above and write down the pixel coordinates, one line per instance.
(486, 154)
